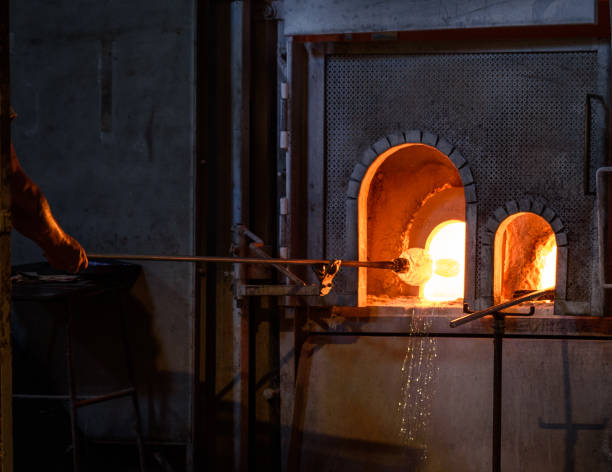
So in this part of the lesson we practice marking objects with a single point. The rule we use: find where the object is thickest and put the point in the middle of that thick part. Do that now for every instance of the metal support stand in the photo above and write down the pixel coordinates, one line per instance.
(71, 387)
(498, 339)
(131, 381)
(77, 401)
(499, 326)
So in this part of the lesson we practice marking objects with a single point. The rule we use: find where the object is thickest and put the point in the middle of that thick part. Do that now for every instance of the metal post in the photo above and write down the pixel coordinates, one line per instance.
(70, 374)
(499, 318)
(131, 380)
(6, 381)
(498, 339)
(240, 86)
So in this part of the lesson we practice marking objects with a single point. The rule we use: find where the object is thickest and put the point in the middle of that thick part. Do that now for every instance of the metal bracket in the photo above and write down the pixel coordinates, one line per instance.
(497, 310)
(326, 274)
(256, 246)
(300, 288)
(466, 309)
(278, 290)
(510, 313)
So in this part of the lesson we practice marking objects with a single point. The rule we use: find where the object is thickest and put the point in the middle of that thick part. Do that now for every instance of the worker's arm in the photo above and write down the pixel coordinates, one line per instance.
(32, 217)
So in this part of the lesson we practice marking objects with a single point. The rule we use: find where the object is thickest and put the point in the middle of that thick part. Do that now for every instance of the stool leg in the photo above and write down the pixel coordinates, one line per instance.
(130, 373)
(71, 387)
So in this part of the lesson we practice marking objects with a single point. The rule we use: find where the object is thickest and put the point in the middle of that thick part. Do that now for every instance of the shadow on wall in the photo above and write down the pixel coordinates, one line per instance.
(320, 451)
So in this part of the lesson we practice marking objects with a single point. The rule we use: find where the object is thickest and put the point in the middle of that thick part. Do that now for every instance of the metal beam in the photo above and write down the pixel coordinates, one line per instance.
(6, 381)
(314, 17)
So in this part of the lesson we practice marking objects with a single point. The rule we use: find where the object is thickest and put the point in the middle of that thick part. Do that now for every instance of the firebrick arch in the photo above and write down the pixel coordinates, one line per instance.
(487, 242)
(370, 155)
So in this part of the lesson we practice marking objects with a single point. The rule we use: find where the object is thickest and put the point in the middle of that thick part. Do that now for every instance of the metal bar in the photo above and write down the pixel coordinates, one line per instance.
(278, 267)
(405, 334)
(498, 325)
(208, 135)
(587, 146)
(130, 373)
(71, 387)
(279, 290)
(587, 138)
(495, 308)
(240, 140)
(241, 260)
(247, 232)
(103, 398)
(30, 396)
(601, 219)
(6, 369)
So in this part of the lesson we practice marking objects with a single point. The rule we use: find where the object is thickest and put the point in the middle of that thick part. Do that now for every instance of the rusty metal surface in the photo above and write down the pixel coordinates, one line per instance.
(517, 117)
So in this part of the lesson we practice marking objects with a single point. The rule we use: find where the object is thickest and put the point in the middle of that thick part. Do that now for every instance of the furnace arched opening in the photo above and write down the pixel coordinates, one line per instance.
(406, 193)
(525, 256)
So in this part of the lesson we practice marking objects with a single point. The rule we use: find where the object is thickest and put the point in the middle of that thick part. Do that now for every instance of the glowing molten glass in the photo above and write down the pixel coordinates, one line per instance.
(546, 262)
(446, 241)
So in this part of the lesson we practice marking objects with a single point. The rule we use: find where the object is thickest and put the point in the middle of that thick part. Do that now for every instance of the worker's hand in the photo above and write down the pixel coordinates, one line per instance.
(66, 254)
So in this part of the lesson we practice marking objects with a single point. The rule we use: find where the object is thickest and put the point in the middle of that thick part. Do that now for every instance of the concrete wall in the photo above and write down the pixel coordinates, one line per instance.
(105, 97)
(350, 390)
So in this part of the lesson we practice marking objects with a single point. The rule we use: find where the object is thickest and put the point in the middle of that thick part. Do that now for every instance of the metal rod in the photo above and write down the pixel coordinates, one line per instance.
(241, 260)
(278, 267)
(498, 339)
(587, 145)
(106, 397)
(602, 216)
(130, 374)
(239, 88)
(70, 374)
(587, 137)
(492, 309)
(421, 334)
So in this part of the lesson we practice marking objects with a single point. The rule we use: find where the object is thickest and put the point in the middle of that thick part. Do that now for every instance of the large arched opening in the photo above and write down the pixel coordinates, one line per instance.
(407, 195)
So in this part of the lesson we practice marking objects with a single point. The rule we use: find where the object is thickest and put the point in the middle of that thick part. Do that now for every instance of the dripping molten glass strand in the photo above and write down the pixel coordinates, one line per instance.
(418, 372)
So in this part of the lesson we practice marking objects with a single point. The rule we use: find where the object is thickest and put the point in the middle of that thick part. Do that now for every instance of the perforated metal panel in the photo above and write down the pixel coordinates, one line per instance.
(518, 118)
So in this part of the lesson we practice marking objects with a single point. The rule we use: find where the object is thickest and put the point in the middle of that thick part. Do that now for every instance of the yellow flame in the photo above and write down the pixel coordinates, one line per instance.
(546, 261)
(446, 241)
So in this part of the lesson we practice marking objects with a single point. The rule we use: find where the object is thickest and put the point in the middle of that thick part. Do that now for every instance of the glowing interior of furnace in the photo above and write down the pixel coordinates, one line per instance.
(446, 242)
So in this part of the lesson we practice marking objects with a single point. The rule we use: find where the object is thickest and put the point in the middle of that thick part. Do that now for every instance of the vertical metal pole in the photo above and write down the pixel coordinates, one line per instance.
(70, 374)
(240, 88)
(498, 339)
(6, 380)
(207, 217)
(131, 380)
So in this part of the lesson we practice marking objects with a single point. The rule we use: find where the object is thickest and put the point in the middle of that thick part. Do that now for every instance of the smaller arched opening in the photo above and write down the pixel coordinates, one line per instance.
(525, 257)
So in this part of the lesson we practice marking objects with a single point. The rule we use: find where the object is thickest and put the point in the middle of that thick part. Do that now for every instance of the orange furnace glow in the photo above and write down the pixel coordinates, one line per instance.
(446, 241)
